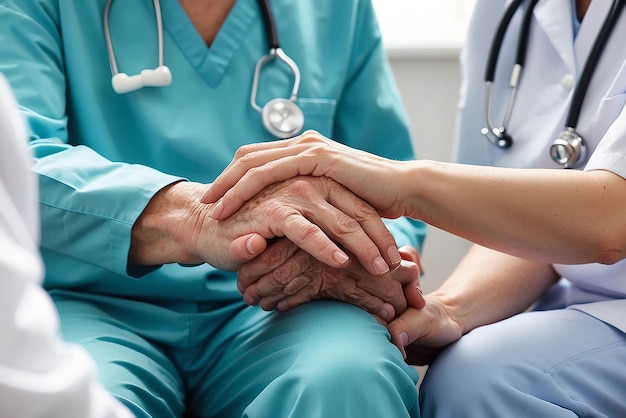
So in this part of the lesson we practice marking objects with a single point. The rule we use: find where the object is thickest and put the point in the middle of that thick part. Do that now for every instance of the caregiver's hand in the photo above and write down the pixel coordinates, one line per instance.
(421, 334)
(284, 277)
(379, 181)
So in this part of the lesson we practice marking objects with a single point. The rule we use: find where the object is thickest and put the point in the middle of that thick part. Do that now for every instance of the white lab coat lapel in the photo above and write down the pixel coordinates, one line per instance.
(554, 18)
(594, 17)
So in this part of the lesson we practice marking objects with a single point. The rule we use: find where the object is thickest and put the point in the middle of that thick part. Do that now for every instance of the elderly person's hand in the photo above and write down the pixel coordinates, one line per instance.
(176, 228)
(284, 277)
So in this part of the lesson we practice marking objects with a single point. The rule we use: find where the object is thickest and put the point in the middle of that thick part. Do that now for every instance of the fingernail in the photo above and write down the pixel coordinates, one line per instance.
(249, 246)
(394, 255)
(205, 196)
(249, 300)
(404, 337)
(383, 314)
(419, 289)
(340, 257)
(282, 306)
(380, 265)
(217, 210)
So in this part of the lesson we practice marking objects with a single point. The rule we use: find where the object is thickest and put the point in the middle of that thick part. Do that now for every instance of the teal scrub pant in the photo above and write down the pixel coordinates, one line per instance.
(559, 363)
(323, 359)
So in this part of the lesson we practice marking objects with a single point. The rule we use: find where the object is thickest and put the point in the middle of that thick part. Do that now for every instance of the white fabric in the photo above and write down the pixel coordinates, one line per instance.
(554, 56)
(40, 375)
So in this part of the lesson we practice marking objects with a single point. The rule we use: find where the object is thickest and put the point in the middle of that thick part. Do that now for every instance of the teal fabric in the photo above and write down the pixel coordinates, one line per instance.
(324, 359)
(101, 157)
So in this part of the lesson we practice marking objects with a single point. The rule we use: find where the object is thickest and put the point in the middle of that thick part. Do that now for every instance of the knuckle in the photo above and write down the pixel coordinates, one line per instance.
(297, 284)
(364, 210)
(309, 136)
(361, 210)
(284, 274)
(277, 253)
(243, 152)
(308, 231)
(347, 225)
(301, 186)
(331, 278)
(392, 291)
(266, 305)
(291, 270)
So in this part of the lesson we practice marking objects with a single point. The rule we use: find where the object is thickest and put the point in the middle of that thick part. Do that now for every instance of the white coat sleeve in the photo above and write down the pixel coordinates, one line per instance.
(40, 375)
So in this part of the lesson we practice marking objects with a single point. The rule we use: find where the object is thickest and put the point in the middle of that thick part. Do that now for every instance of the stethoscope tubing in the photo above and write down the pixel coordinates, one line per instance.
(594, 57)
(282, 117)
(271, 30)
(109, 41)
(568, 138)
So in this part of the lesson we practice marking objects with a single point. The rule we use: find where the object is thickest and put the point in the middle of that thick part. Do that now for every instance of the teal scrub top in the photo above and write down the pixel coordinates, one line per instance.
(101, 156)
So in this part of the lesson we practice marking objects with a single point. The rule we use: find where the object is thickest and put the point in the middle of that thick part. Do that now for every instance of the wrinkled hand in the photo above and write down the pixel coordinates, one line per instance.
(284, 277)
(377, 180)
(177, 227)
(317, 214)
(421, 334)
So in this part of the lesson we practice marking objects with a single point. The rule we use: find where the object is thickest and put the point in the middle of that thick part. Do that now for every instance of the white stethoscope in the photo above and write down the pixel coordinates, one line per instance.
(282, 117)
(569, 149)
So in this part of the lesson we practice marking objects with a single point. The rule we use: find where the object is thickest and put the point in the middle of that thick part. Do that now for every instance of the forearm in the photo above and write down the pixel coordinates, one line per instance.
(495, 207)
(488, 286)
(88, 206)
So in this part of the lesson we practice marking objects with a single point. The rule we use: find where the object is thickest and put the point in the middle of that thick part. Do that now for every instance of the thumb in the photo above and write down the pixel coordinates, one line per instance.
(402, 333)
(246, 247)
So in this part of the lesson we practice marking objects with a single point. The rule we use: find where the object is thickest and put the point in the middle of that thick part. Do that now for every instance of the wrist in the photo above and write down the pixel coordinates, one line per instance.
(161, 234)
(416, 181)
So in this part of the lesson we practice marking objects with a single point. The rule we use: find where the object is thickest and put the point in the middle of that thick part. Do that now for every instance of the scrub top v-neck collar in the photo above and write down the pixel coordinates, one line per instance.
(210, 62)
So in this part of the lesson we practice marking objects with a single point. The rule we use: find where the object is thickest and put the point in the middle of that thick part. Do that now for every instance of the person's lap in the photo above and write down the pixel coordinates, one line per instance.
(321, 359)
(558, 363)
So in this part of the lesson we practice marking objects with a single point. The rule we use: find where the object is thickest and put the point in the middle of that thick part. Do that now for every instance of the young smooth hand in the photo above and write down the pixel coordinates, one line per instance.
(421, 334)
(377, 180)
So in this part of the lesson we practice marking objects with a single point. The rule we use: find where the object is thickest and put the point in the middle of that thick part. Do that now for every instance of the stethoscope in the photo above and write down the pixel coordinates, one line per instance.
(569, 149)
(282, 117)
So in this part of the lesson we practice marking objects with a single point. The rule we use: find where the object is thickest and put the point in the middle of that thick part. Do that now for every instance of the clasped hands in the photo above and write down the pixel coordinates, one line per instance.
(293, 240)
(321, 241)
(337, 247)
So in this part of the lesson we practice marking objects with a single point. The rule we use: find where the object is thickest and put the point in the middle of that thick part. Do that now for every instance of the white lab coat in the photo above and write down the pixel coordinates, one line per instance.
(40, 375)
(554, 62)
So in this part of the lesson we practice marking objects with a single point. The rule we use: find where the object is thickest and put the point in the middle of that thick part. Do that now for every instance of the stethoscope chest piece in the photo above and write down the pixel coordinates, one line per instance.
(569, 149)
(282, 117)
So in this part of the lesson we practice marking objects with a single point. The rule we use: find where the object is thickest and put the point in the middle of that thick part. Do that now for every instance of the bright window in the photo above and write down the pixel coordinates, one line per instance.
(410, 25)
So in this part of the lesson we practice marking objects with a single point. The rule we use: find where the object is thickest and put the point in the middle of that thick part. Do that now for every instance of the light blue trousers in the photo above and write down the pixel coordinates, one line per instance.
(324, 359)
(552, 364)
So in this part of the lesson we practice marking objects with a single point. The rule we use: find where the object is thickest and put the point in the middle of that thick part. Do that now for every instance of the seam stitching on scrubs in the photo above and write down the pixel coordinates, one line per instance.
(122, 221)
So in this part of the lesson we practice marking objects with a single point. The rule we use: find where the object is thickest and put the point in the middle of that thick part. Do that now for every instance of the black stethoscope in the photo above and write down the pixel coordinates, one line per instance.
(282, 117)
(569, 149)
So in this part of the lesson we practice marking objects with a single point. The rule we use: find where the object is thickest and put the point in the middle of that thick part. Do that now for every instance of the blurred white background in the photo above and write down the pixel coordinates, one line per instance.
(419, 25)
